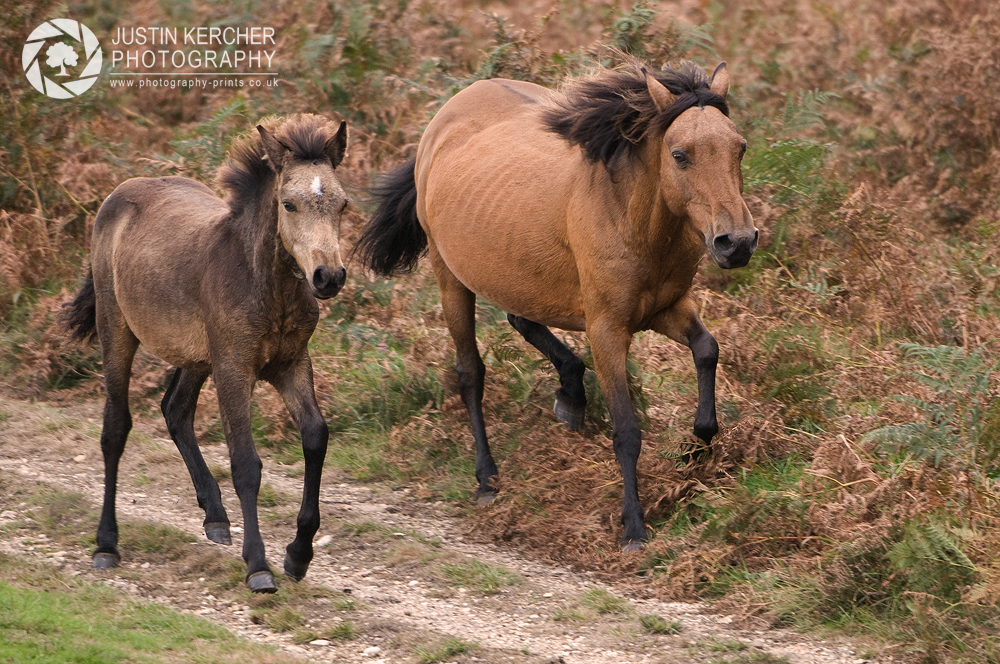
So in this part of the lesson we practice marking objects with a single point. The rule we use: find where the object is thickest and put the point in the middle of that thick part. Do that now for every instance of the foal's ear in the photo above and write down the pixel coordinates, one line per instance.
(336, 147)
(662, 97)
(272, 147)
(720, 81)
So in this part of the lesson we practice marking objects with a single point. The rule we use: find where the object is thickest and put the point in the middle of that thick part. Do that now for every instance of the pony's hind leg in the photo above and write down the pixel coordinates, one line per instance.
(178, 406)
(118, 346)
(295, 385)
(459, 306)
(571, 399)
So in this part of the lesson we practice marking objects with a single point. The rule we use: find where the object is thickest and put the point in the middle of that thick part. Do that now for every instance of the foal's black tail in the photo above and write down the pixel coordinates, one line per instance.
(393, 241)
(80, 315)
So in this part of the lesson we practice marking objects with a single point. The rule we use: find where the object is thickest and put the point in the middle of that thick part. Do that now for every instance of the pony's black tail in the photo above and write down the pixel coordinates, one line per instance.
(80, 315)
(393, 241)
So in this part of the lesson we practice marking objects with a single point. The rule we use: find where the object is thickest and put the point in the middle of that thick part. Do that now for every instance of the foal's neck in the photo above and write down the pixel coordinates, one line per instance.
(269, 260)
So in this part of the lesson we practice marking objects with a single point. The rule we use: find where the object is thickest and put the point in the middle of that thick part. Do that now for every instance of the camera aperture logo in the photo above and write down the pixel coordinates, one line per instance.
(51, 48)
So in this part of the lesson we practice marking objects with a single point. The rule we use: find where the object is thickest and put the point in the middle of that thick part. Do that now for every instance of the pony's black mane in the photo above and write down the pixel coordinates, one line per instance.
(609, 115)
(247, 176)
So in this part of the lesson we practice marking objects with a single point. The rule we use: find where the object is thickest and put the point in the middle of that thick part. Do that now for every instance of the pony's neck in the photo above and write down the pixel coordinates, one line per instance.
(650, 224)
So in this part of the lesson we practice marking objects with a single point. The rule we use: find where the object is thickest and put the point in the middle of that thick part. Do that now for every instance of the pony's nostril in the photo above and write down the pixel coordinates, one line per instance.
(723, 244)
(321, 278)
(340, 276)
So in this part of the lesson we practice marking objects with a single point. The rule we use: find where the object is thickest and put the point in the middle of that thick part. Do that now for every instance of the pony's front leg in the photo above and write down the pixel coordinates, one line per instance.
(609, 343)
(295, 385)
(682, 324)
(234, 388)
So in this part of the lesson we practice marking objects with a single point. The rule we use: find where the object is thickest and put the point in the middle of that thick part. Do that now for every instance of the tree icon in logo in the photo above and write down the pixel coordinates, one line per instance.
(59, 55)
(62, 53)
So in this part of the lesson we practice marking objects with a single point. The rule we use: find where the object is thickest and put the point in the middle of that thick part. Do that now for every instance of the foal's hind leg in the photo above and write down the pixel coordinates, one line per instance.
(459, 306)
(178, 406)
(296, 388)
(571, 399)
(118, 346)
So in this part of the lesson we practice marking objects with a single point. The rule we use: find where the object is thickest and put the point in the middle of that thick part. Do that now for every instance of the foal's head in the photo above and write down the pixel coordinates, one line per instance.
(700, 154)
(303, 152)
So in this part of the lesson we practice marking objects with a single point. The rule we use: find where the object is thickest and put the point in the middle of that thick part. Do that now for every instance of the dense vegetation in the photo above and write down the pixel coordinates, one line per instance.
(854, 482)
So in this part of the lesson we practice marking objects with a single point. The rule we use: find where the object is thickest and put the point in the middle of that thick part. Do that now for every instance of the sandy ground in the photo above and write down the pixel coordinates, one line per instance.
(378, 543)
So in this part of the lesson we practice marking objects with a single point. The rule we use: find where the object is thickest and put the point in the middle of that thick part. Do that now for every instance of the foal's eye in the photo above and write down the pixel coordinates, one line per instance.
(743, 150)
(344, 205)
(289, 206)
(680, 157)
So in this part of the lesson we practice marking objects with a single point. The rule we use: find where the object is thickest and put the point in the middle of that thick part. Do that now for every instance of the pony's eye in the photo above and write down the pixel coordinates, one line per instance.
(743, 150)
(344, 206)
(680, 157)
(289, 206)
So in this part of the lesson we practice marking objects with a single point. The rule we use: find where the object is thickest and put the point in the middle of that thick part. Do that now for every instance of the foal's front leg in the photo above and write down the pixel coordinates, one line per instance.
(295, 385)
(235, 387)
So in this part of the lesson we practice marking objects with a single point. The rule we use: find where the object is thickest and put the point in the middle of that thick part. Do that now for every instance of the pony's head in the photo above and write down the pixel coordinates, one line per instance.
(303, 152)
(616, 117)
(700, 154)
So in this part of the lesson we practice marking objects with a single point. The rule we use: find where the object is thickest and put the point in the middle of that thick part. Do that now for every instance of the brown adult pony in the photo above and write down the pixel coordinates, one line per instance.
(588, 210)
(228, 289)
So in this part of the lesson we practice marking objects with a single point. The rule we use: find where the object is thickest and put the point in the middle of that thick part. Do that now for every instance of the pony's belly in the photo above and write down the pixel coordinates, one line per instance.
(547, 299)
(184, 345)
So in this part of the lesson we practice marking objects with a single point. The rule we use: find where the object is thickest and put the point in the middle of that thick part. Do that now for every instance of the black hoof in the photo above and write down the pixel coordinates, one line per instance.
(261, 582)
(571, 416)
(485, 497)
(293, 570)
(106, 560)
(631, 546)
(218, 533)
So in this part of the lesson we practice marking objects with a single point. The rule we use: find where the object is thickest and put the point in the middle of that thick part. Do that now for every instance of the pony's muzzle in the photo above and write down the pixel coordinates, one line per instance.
(326, 284)
(734, 249)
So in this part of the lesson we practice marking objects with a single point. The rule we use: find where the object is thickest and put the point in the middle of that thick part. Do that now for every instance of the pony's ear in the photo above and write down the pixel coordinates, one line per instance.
(662, 97)
(336, 147)
(720, 80)
(273, 148)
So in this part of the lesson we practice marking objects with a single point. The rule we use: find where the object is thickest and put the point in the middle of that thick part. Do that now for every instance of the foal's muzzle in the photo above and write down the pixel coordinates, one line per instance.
(734, 249)
(326, 284)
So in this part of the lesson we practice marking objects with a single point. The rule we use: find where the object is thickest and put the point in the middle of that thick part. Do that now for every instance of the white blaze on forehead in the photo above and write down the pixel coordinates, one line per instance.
(317, 186)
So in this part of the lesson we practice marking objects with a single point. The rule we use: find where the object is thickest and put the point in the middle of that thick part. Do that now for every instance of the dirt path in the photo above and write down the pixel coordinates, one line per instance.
(417, 584)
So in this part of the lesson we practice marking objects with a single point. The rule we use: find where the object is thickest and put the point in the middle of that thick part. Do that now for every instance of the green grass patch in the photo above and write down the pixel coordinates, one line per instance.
(654, 624)
(285, 619)
(480, 576)
(269, 496)
(442, 651)
(46, 617)
(603, 602)
(341, 631)
(154, 538)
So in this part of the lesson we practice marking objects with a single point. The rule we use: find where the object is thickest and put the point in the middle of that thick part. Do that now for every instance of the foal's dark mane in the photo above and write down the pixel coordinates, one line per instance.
(611, 114)
(247, 177)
